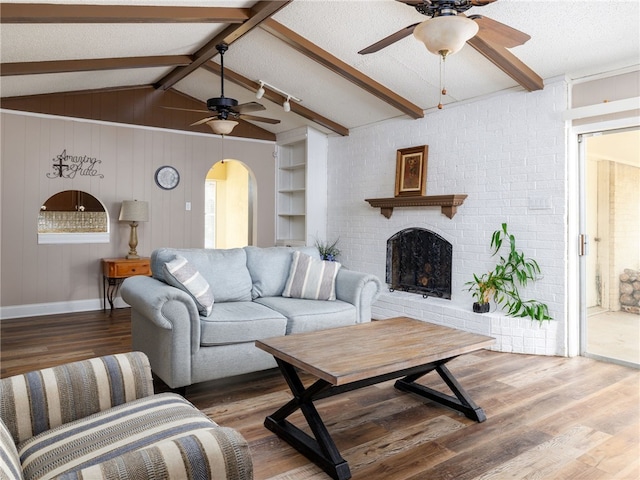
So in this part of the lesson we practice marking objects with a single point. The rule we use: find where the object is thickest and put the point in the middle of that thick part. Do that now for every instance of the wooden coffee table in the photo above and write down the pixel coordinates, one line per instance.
(347, 358)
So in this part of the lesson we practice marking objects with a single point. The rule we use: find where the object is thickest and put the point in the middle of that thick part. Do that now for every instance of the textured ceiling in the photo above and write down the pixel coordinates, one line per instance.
(575, 38)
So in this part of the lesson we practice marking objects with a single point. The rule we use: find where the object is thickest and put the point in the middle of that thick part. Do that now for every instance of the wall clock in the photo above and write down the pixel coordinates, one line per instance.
(167, 177)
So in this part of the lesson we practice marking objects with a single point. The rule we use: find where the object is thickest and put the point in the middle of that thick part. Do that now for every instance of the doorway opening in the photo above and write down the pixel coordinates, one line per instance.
(229, 204)
(610, 271)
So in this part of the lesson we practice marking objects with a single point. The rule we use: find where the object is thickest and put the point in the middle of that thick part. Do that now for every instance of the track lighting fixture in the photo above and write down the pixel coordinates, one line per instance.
(286, 105)
(260, 92)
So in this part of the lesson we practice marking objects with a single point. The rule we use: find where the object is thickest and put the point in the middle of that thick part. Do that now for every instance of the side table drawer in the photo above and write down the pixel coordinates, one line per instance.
(123, 268)
(130, 269)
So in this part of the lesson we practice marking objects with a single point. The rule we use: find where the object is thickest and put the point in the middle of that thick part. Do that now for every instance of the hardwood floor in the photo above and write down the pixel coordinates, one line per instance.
(547, 417)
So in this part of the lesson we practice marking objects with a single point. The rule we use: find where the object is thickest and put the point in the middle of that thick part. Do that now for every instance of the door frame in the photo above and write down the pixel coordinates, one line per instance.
(576, 263)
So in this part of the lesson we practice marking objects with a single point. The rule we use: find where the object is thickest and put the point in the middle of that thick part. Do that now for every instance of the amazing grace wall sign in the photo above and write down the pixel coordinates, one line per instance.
(68, 166)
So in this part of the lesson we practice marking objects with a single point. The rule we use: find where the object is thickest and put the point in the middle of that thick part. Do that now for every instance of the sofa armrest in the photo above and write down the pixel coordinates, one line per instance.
(214, 453)
(165, 324)
(150, 298)
(359, 289)
(43, 399)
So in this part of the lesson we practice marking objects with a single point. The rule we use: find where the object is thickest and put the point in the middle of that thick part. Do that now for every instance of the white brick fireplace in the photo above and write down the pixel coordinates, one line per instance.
(508, 153)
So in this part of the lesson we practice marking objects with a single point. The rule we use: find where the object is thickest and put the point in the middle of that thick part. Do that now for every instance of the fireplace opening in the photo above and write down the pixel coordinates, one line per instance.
(419, 261)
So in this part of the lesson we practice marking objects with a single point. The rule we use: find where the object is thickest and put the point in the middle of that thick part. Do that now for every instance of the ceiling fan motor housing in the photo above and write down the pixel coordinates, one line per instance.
(443, 8)
(221, 103)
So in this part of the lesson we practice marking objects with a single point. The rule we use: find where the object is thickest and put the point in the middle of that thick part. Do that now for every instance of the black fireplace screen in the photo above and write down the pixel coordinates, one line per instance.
(419, 261)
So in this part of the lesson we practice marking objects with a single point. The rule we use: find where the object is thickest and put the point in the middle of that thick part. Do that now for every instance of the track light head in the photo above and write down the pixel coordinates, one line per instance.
(260, 92)
(287, 105)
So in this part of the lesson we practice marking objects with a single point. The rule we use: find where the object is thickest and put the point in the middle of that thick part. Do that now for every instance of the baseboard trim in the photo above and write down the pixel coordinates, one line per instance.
(53, 308)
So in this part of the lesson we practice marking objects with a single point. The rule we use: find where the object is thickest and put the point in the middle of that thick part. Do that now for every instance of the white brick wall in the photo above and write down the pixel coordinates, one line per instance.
(504, 152)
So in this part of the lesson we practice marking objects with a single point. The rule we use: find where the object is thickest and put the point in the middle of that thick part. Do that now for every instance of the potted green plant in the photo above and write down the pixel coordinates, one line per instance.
(501, 284)
(328, 251)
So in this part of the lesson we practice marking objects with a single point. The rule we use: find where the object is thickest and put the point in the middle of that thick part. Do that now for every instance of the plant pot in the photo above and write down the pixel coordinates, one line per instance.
(480, 307)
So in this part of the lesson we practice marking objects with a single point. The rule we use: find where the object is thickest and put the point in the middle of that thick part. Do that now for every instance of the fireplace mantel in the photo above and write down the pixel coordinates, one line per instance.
(447, 203)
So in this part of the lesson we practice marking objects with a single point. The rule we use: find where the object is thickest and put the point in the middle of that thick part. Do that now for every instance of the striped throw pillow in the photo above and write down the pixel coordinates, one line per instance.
(311, 278)
(182, 274)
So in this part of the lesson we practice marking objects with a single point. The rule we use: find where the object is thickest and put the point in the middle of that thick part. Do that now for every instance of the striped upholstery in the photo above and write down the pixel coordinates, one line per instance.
(99, 419)
(203, 454)
(9, 461)
(41, 400)
(108, 436)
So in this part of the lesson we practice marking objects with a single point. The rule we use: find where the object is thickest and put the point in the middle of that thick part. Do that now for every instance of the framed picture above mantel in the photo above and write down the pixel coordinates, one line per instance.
(411, 171)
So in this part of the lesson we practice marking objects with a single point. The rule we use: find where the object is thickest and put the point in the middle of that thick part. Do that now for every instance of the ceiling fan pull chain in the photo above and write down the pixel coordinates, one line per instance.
(443, 90)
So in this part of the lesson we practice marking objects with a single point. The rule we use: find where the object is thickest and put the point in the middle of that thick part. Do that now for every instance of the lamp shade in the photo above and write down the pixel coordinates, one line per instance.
(222, 127)
(134, 211)
(445, 35)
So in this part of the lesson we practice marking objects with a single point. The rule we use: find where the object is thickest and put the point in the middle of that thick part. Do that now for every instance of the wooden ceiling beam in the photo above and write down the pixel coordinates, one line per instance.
(508, 63)
(65, 66)
(341, 68)
(56, 13)
(259, 13)
(277, 98)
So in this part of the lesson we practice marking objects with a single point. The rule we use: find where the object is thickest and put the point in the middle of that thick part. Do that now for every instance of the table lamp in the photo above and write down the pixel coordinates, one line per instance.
(134, 211)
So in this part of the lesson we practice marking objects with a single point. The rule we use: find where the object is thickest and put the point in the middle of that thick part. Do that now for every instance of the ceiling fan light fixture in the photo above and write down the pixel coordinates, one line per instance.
(445, 35)
(222, 127)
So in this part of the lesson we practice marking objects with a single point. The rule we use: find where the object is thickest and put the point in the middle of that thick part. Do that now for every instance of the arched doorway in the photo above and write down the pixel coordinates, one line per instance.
(230, 196)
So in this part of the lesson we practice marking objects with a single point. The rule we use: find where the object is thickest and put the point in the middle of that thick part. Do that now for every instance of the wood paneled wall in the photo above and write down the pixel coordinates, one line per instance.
(33, 274)
(134, 105)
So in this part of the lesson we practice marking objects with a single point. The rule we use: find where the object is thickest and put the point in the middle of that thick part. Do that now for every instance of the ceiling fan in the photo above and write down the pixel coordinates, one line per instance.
(225, 109)
(449, 28)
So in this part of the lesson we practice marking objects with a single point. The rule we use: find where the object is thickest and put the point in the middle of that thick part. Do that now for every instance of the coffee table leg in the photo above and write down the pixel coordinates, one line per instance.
(322, 449)
(461, 402)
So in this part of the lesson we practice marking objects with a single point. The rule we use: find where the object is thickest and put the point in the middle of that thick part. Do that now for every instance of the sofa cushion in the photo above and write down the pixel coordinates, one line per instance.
(310, 315)
(269, 268)
(311, 278)
(240, 322)
(108, 434)
(207, 453)
(183, 275)
(224, 269)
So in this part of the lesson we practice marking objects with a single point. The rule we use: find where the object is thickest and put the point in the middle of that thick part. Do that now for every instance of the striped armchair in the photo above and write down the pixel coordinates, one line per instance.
(99, 419)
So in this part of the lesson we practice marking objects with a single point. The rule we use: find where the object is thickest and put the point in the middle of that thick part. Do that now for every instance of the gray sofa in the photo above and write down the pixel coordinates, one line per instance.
(187, 346)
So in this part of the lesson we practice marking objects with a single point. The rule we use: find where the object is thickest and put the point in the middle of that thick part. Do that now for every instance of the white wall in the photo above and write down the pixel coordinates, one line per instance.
(508, 154)
(39, 279)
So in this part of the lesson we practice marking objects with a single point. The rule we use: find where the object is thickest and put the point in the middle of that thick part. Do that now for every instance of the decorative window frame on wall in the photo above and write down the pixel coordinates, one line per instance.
(80, 218)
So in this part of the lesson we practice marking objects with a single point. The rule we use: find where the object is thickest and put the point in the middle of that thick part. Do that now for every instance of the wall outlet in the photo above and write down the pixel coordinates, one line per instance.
(187, 206)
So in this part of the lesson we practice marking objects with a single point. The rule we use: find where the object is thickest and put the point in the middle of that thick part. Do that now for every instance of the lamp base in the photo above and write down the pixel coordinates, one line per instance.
(133, 241)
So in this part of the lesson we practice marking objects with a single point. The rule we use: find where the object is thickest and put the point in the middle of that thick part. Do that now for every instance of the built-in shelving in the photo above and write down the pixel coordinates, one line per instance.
(302, 187)
(448, 203)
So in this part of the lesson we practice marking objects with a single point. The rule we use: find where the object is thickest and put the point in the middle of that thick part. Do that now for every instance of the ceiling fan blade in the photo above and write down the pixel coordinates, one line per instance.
(385, 42)
(185, 109)
(499, 33)
(248, 107)
(253, 118)
(204, 120)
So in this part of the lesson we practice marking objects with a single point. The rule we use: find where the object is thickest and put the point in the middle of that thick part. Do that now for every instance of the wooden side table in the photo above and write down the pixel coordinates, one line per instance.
(115, 270)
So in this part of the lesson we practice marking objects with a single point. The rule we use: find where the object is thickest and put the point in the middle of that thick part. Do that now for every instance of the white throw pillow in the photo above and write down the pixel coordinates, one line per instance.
(181, 274)
(311, 278)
